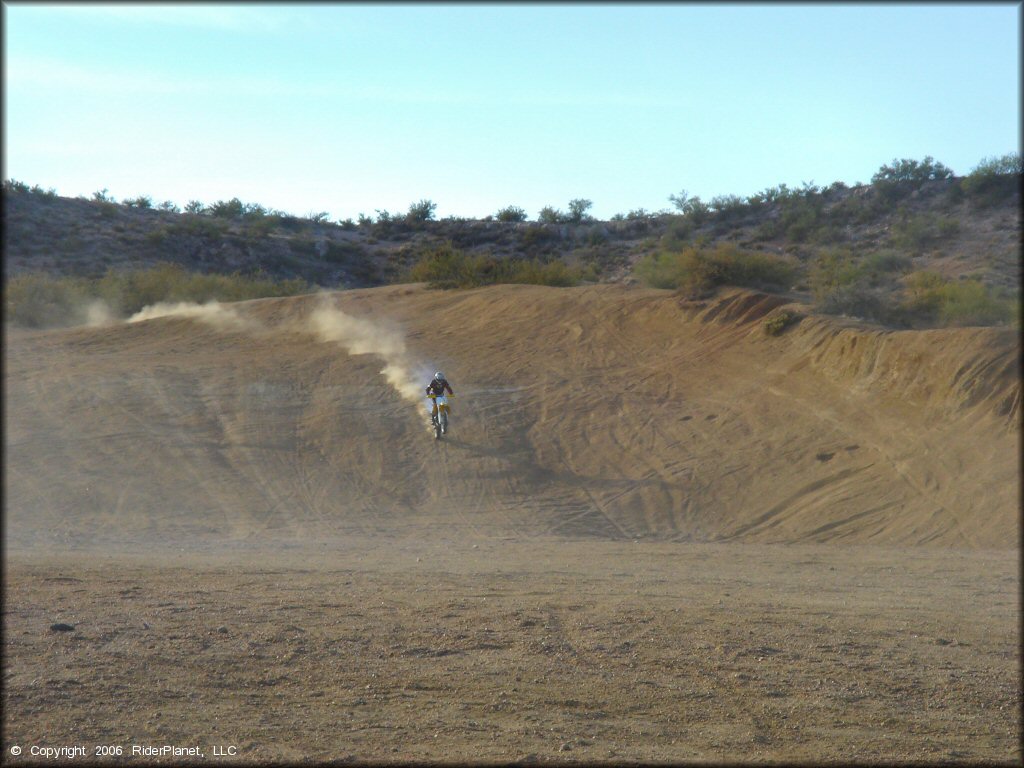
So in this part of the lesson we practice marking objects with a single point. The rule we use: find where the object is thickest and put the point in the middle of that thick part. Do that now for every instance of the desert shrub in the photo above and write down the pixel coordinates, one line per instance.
(511, 213)
(801, 214)
(41, 301)
(339, 251)
(191, 225)
(169, 206)
(667, 269)
(102, 196)
(46, 195)
(536, 238)
(258, 228)
(446, 267)
(194, 207)
(550, 215)
(12, 186)
(859, 300)
(798, 222)
(729, 208)
(916, 233)
(347, 224)
(993, 179)
(833, 269)
(827, 233)
(971, 302)
(695, 269)
(693, 208)
(286, 221)
(421, 211)
(156, 236)
(885, 262)
(303, 246)
(319, 217)
(843, 285)
(779, 321)
(235, 209)
(904, 176)
(847, 210)
(142, 201)
(578, 211)
(554, 273)
(677, 233)
(931, 298)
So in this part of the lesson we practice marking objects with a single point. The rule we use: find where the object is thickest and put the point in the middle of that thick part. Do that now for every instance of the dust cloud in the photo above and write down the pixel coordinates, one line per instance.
(212, 313)
(98, 314)
(326, 323)
(359, 336)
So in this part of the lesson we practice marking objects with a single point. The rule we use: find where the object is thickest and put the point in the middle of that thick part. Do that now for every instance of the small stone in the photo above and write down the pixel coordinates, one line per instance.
(222, 630)
(62, 628)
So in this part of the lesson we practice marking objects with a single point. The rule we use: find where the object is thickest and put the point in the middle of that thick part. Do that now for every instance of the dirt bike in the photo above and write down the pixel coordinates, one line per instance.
(440, 421)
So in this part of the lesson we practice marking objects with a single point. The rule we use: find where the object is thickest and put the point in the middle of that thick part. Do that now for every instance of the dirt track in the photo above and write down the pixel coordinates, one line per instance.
(655, 533)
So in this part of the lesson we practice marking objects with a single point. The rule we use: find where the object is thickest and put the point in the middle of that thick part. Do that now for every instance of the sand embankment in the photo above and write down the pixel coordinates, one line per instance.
(589, 412)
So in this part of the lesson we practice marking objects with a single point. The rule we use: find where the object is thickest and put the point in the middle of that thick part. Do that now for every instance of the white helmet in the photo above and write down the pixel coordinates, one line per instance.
(439, 376)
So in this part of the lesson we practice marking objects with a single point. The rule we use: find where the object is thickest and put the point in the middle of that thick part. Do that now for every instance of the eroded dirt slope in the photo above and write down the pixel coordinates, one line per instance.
(588, 412)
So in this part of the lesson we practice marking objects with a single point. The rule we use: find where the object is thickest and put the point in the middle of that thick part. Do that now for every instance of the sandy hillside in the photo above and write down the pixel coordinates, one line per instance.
(600, 411)
(655, 533)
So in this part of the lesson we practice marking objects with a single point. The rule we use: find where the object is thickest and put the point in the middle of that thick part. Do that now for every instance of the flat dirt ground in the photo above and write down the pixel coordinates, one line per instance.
(484, 650)
(655, 533)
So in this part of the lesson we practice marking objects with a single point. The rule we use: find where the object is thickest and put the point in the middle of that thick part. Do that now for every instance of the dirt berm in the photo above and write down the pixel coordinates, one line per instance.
(601, 411)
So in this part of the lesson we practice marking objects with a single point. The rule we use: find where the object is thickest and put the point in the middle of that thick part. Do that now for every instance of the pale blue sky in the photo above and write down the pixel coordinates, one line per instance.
(348, 108)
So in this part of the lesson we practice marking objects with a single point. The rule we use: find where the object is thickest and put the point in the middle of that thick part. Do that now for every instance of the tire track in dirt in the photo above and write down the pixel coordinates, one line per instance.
(595, 412)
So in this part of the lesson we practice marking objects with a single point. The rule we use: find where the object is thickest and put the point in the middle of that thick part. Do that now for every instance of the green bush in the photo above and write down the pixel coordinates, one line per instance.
(779, 321)
(916, 233)
(931, 298)
(511, 213)
(233, 209)
(729, 208)
(192, 225)
(549, 215)
(695, 269)
(537, 238)
(258, 228)
(41, 301)
(833, 269)
(904, 176)
(302, 246)
(885, 262)
(446, 267)
(578, 211)
(339, 251)
(421, 211)
(994, 179)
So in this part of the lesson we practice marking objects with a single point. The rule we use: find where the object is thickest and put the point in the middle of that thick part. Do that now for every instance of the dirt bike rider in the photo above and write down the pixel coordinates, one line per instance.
(436, 388)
